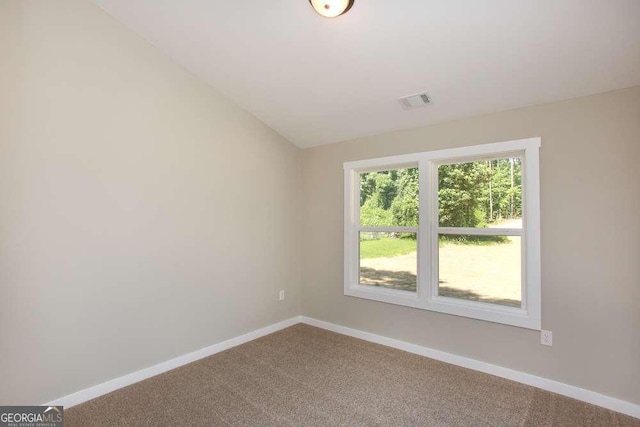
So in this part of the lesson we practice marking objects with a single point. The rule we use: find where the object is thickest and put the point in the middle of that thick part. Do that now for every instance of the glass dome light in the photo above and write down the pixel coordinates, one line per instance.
(331, 8)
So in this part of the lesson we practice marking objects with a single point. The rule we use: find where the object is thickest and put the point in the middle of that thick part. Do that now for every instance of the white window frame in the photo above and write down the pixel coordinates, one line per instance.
(426, 297)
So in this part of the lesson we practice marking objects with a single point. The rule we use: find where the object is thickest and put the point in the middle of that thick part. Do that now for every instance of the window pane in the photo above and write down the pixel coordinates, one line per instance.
(481, 194)
(389, 260)
(480, 268)
(389, 198)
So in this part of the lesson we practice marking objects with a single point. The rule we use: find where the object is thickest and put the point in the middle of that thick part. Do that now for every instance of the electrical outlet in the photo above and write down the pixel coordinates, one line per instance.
(281, 295)
(546, 338)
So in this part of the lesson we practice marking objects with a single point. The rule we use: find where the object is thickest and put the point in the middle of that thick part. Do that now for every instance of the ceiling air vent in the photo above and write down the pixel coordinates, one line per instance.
(414, 101)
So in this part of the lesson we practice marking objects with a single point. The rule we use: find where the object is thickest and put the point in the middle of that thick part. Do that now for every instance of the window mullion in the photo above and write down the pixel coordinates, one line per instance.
(434, 221)
(424, 233)
(389, 229)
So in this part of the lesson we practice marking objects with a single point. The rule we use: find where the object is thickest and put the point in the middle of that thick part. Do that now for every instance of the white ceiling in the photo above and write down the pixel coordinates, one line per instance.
(317, 80)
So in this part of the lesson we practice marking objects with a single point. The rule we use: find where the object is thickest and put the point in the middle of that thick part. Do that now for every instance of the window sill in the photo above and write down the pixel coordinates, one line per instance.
(511, 316)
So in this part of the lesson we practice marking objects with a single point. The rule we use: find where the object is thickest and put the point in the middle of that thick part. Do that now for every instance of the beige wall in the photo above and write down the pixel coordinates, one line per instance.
(590, 184)
(142, 216)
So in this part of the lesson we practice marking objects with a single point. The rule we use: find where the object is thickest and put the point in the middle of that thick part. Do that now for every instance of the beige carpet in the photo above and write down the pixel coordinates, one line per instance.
(305, 376)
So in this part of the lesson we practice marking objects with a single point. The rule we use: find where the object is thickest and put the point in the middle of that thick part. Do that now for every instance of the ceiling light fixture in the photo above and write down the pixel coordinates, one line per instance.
(331, 8)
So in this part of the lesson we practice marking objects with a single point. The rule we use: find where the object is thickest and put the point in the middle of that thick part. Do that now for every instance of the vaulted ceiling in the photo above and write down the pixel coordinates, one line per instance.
(318, 81)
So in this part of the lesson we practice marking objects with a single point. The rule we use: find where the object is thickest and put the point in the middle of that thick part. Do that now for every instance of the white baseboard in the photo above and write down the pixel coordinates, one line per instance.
(588, 396)
(120, 382)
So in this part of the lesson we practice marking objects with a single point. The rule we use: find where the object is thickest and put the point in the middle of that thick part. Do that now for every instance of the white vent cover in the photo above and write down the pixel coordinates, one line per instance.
(414, 101)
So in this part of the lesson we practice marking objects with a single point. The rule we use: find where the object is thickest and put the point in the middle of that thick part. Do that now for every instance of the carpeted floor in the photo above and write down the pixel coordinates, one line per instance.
(305, 376)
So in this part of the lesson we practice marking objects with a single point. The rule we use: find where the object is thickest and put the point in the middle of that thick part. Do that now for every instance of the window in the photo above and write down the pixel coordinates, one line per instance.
(455, 231)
